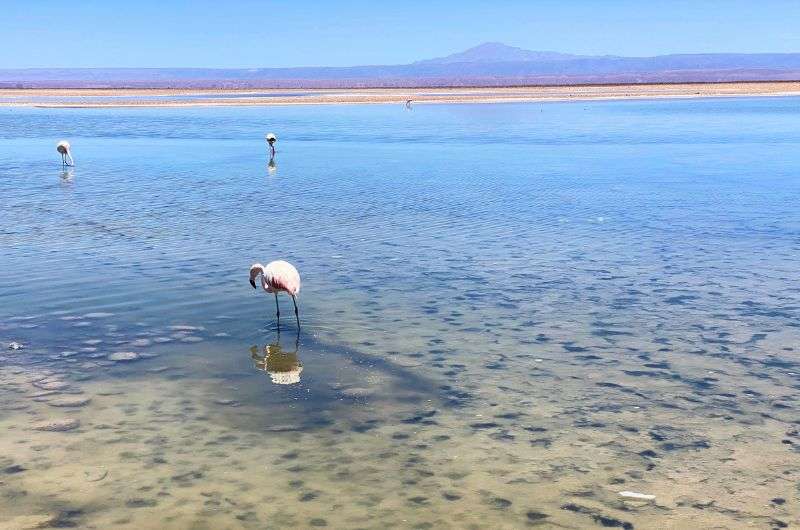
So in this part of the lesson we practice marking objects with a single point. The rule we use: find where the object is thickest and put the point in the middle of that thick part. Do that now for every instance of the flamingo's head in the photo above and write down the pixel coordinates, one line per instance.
(255, 270)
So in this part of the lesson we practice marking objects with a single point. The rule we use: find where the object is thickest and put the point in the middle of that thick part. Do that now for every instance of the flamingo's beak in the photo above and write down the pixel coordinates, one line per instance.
(253, 283)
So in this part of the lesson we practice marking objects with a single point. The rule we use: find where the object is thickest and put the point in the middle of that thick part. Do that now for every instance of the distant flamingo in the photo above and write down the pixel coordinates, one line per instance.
(408, 103)
(271, 139)
(278, 276)
(63, 148)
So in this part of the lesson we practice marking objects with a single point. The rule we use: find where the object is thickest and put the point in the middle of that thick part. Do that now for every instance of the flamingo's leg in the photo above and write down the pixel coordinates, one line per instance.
(277, 309)
(296, 312)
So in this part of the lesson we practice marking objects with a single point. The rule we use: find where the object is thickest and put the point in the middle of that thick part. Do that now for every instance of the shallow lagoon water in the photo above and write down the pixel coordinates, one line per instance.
(511, 313)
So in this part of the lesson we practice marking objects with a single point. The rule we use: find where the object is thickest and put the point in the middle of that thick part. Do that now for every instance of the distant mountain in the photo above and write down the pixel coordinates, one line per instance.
(497, 52)
(489, 64)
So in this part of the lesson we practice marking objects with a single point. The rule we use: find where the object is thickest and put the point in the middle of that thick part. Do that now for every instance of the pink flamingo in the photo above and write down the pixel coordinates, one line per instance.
(278, 276)
(63, 148)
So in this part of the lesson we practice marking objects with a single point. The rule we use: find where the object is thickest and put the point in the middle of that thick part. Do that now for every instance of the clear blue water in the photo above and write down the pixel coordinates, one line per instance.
(511, 313)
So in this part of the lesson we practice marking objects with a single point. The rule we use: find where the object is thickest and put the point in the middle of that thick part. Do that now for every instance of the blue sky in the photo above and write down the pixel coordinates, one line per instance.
(248, 33)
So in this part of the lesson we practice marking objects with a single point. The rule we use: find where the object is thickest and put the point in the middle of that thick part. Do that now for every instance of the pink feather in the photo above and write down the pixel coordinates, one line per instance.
(277, 276)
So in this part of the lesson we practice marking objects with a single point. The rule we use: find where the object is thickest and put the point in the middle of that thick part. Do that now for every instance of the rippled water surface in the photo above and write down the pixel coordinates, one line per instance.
(511, 314)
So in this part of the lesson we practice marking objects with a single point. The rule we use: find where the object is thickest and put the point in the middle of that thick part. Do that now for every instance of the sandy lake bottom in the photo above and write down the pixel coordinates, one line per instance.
(511, 314)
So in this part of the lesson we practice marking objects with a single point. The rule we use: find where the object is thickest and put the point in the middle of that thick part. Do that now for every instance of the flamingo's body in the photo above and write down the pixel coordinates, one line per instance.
(271, 139)
(278, 276)
(63, 147)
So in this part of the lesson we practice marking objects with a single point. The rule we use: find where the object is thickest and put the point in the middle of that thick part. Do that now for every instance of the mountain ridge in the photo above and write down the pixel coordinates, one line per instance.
(487, 64)
(498, 52)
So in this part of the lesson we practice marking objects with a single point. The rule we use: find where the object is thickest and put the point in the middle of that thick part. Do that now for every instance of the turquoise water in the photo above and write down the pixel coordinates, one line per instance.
(511, 313)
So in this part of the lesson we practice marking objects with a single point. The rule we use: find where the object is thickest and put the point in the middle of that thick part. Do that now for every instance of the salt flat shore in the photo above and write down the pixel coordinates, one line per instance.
(278, 96)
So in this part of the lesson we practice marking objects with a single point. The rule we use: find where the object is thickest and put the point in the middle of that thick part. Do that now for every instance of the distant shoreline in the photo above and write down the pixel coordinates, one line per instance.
(185, 97)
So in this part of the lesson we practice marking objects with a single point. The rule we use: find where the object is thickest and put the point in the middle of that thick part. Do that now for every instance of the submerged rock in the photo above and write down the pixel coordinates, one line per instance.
(123, 356)
(69, 402)
(140, 503)
(51, 384)
(533, 515)
(44, 393)
(95, 474)
(599, 518)
(500, 503)
(63, 425)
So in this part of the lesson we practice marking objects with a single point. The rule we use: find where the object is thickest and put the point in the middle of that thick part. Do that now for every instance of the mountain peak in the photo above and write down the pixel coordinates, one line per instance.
(494, 52)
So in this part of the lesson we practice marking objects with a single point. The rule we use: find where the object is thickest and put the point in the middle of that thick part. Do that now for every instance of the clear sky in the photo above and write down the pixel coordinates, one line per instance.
(249, 33)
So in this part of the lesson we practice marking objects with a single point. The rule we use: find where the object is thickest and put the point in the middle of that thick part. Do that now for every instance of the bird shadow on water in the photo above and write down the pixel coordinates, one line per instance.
(292, 382)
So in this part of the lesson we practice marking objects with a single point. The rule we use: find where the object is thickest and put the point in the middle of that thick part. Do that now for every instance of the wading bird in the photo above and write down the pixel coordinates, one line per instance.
(408, 103)
(271, 139)
(63, 148)
(278, 276)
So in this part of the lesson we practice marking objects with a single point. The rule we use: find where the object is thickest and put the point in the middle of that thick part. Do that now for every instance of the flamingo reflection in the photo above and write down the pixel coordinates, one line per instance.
(283, 366)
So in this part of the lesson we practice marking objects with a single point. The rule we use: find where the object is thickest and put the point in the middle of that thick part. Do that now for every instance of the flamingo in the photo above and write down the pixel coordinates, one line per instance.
(271, 139)
(408, 103)
(278, 276)
(63, 148)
